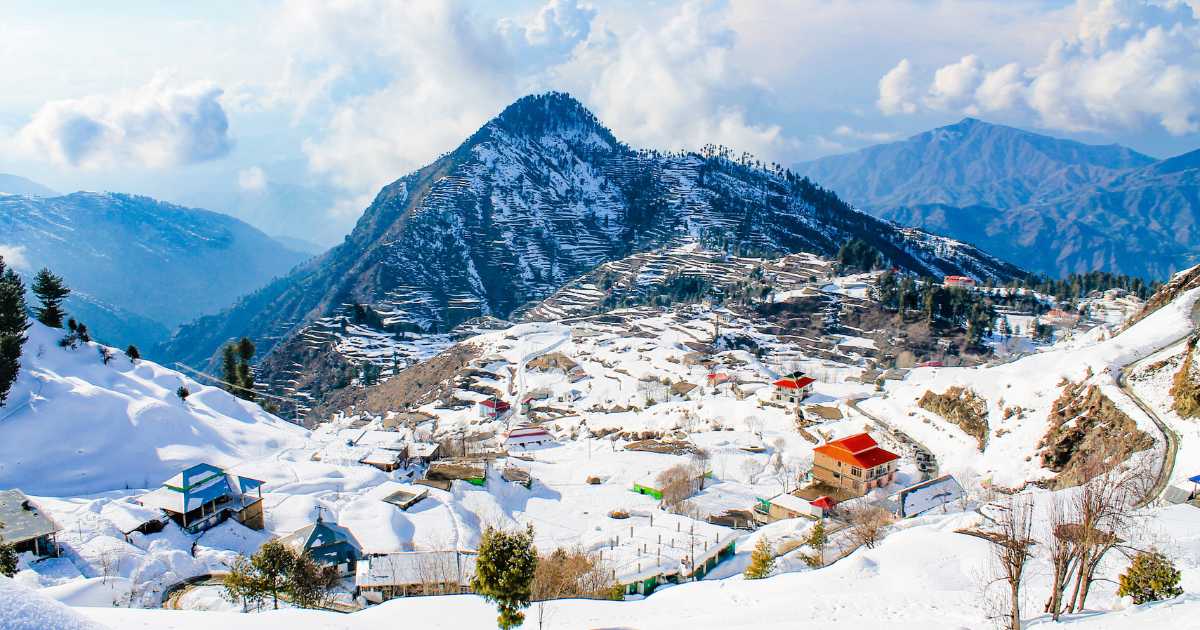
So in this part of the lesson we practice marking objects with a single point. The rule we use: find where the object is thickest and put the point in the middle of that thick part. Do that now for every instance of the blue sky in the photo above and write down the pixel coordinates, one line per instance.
(291, 115)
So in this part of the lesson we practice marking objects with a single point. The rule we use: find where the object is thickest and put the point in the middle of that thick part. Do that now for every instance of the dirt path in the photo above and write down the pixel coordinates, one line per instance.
(912, 444)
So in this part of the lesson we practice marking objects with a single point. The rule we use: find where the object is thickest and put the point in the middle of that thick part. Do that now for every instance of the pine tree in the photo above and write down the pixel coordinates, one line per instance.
(51, 291)
(8, 559)
(245, 375)
(762, 560)
(133, 353)
(1150, 578)
(229, 369)
(13, 324)
(504, 571)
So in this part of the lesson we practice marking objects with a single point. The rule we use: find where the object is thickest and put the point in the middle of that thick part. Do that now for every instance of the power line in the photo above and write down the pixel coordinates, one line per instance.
(233, 385)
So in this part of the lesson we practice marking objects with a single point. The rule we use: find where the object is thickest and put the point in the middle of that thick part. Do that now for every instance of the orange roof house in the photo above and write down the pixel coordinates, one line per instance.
(855, 463)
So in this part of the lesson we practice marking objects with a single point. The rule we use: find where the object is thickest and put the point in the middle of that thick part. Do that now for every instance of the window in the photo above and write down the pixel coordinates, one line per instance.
(857, 472)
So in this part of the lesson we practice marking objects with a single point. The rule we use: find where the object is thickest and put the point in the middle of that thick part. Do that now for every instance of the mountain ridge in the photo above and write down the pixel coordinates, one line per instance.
(130, 254)
(1062, 206)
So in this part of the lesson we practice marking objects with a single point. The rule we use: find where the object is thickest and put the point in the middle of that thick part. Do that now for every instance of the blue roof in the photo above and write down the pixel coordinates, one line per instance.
(1195, 479)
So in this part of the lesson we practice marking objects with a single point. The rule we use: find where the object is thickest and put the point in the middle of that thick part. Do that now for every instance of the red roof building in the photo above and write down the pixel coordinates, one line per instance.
(493, 408)
(855, 463)
(958, 281)
(792, 389)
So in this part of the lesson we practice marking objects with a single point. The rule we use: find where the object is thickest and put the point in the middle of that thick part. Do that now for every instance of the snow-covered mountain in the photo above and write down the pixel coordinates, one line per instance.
(1056, 205)
(74, 425)
(131, 260)
(538, 196)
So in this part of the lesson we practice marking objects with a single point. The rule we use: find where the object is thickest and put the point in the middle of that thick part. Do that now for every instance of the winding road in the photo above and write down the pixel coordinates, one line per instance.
(1169, 437)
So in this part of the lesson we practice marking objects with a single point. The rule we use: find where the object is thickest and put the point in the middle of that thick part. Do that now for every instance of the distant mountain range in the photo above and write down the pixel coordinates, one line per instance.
(538, 196)
(17, 185)
(139, 267)
(1057, 206)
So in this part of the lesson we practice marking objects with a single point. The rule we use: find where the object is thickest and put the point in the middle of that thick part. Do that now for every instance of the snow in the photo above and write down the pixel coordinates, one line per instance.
(1032, 382)
(24, 609)
(126, 427)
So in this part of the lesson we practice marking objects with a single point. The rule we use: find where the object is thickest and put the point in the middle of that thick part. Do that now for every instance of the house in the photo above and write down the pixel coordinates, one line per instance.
(494, 409)
(654, 547)
(526, 436)
(958, 281)
(925, 496)
(384, 459)
(856, 464)
(792, 389)
(1060, 318)
(130, 516)
(684, 390)
(442, 474)
(718, 378)
(422, 453)
(403, 574)
(785, 506)
(328, 544)
(203, 496)
(25, 526)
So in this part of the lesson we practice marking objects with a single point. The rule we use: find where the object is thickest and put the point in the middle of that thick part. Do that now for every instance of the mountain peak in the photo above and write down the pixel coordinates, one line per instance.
(550, 112)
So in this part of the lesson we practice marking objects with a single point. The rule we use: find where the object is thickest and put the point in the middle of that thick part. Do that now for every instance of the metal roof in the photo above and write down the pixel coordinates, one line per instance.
(21, 518)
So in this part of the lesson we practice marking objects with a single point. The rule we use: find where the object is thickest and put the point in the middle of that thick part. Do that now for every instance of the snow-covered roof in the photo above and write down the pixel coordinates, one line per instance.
(195, 486)
(791, 502)
(127, 515)
(416, 567)
(21, 518)
(321, 534)
(381, 456)
(422, 449)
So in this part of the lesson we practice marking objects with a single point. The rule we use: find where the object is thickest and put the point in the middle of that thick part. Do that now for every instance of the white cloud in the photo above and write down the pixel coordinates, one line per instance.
(14, 257)
(1127, 64)
(954, 85)
(847, 131)
(666, 81)
(897, 90)
(156, 126)
(1001, 89)
(252, 179)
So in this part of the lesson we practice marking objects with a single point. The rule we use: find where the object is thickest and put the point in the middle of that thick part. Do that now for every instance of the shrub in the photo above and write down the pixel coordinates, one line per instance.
(1150, 578)
(762, 560)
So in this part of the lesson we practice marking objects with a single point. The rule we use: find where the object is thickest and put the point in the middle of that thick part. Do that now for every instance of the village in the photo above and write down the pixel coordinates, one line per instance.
(641, 436)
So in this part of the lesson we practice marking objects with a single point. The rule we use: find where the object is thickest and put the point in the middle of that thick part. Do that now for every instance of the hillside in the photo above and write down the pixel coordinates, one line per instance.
(1056, 205)
(541, 195)
(73, 425)
(124, 254)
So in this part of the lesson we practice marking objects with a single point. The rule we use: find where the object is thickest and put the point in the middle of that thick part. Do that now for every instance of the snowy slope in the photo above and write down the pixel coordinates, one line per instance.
(1034, 383)
(73, 425)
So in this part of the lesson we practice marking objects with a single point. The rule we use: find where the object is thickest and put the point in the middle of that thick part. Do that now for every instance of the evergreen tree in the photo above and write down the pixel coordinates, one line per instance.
(762, 560)
(229, 369)
(245, 352)
(50, 291)
(8, 559)
(133, 353)
(13, 324)
(504, 571)
(1150, 578)
(183, 392)
(272, 563)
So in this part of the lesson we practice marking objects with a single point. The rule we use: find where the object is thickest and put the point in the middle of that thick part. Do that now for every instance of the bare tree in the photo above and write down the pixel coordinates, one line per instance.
(1062, 553)
(866, 523)
(1011, 537)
